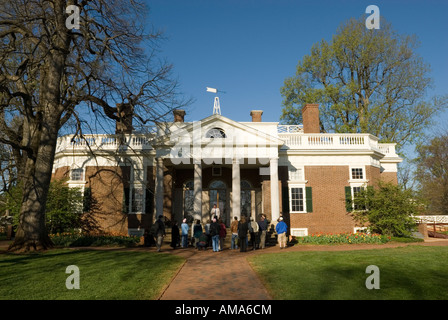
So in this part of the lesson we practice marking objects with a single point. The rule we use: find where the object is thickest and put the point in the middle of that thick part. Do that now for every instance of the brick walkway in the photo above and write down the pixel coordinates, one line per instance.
(208, 275)
(226, 275)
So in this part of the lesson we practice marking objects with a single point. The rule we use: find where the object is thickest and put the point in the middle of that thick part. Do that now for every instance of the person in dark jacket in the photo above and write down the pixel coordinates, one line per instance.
(197, 232)
(243, 228)
(262, 227)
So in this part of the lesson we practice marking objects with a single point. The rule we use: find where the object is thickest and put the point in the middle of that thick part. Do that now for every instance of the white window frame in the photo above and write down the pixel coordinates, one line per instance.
(297, 186)
(81, 176)
(131, 197)
(296, 173)
(358, 229)
(294, 232)
(351, 179)
(352, 187)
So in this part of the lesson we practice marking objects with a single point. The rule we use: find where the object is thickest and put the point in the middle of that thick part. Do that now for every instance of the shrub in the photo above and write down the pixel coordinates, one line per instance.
(343, 238)
(93, 240)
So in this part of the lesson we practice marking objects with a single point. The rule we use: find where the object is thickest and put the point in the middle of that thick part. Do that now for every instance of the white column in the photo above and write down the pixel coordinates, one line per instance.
(236, 189)
(159, 187)
(197, 204)
(275, 202)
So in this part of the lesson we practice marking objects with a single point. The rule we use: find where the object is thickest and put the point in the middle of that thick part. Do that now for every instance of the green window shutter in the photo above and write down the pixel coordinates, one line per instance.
(125, 204)
(285, 199)
(348, 199)
(87, 200)
(309, 199)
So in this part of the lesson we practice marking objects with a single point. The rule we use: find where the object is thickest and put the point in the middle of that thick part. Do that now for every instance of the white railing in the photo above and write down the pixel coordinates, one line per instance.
(286, 128)
(388, 149)
(432, 219)
(329, 141)
(104, 142)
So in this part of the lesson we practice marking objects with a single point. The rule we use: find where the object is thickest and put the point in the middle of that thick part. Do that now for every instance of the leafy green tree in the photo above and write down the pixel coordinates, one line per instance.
(64, 208)
(387, 209)
(432, 174)
(366, 81)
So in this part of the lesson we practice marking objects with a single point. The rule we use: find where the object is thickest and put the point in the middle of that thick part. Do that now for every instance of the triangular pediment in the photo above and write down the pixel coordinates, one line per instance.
(206, 131)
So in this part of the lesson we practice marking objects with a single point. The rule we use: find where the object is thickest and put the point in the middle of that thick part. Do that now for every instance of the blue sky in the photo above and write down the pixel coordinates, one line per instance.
(247, 48)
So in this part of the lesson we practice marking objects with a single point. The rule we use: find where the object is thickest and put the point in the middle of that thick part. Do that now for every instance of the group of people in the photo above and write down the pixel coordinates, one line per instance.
(244, 232)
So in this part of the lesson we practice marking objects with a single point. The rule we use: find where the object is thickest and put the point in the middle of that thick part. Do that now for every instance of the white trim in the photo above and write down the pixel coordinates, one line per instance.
(358, 229)
(301, 186)
(295, 232)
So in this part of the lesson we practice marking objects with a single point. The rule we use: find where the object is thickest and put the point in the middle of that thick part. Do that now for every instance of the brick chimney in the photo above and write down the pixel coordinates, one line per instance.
(310, 115)
(179, 115)
(256, 115)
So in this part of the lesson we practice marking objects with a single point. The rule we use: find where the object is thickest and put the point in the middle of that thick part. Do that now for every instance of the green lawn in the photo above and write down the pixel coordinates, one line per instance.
(105, 274)
(413, 272)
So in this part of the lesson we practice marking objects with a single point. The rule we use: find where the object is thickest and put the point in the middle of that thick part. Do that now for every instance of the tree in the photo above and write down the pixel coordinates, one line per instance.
(366, 81)
(387, 209)
(64, 207)
(432, 174)
(50, 73)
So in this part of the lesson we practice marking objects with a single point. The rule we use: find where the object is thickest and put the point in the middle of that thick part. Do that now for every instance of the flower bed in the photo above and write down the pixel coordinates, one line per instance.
(93, 240)
(344, 238)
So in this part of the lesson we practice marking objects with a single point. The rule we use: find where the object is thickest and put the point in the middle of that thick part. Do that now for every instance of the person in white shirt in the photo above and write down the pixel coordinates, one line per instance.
(215, 212)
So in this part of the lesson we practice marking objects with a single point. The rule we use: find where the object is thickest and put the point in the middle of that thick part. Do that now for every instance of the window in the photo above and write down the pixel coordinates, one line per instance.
(246, 198)
(137, 200)
(357, 174)
(351, 200)
(295, 174)
(299, 232)
(300, 199)
(189, 198)
(76, 174)
(297, 203)
(215, 133)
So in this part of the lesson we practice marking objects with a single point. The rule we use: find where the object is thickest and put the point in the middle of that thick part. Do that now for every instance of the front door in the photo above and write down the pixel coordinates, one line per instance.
(218, 197)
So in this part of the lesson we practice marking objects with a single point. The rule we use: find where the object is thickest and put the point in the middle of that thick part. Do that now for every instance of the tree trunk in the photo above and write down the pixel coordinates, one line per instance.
(43, 133)
(32, 234)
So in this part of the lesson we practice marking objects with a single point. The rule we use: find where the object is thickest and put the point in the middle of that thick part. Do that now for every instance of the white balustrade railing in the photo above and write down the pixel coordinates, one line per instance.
(293, 140)
(329, 141)
(432, 219)
(287, 128)
(103, 142)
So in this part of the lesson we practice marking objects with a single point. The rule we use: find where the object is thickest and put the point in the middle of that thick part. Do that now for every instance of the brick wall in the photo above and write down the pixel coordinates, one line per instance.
(329, 212)
(107, 185)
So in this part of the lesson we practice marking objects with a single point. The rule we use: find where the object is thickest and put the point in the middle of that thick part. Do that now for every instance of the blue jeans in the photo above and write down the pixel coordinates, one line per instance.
(184, 240)
(234, 242)
(215, 243)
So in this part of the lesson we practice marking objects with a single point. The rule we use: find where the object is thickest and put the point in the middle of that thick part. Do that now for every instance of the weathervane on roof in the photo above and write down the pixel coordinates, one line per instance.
(216, 106)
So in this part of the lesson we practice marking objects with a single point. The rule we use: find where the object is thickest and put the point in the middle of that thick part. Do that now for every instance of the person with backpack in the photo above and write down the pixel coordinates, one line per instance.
(253, 230)
(242, 233)
(214, 233)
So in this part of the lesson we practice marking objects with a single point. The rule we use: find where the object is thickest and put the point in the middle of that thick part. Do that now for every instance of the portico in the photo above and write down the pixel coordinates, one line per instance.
(218, 161)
